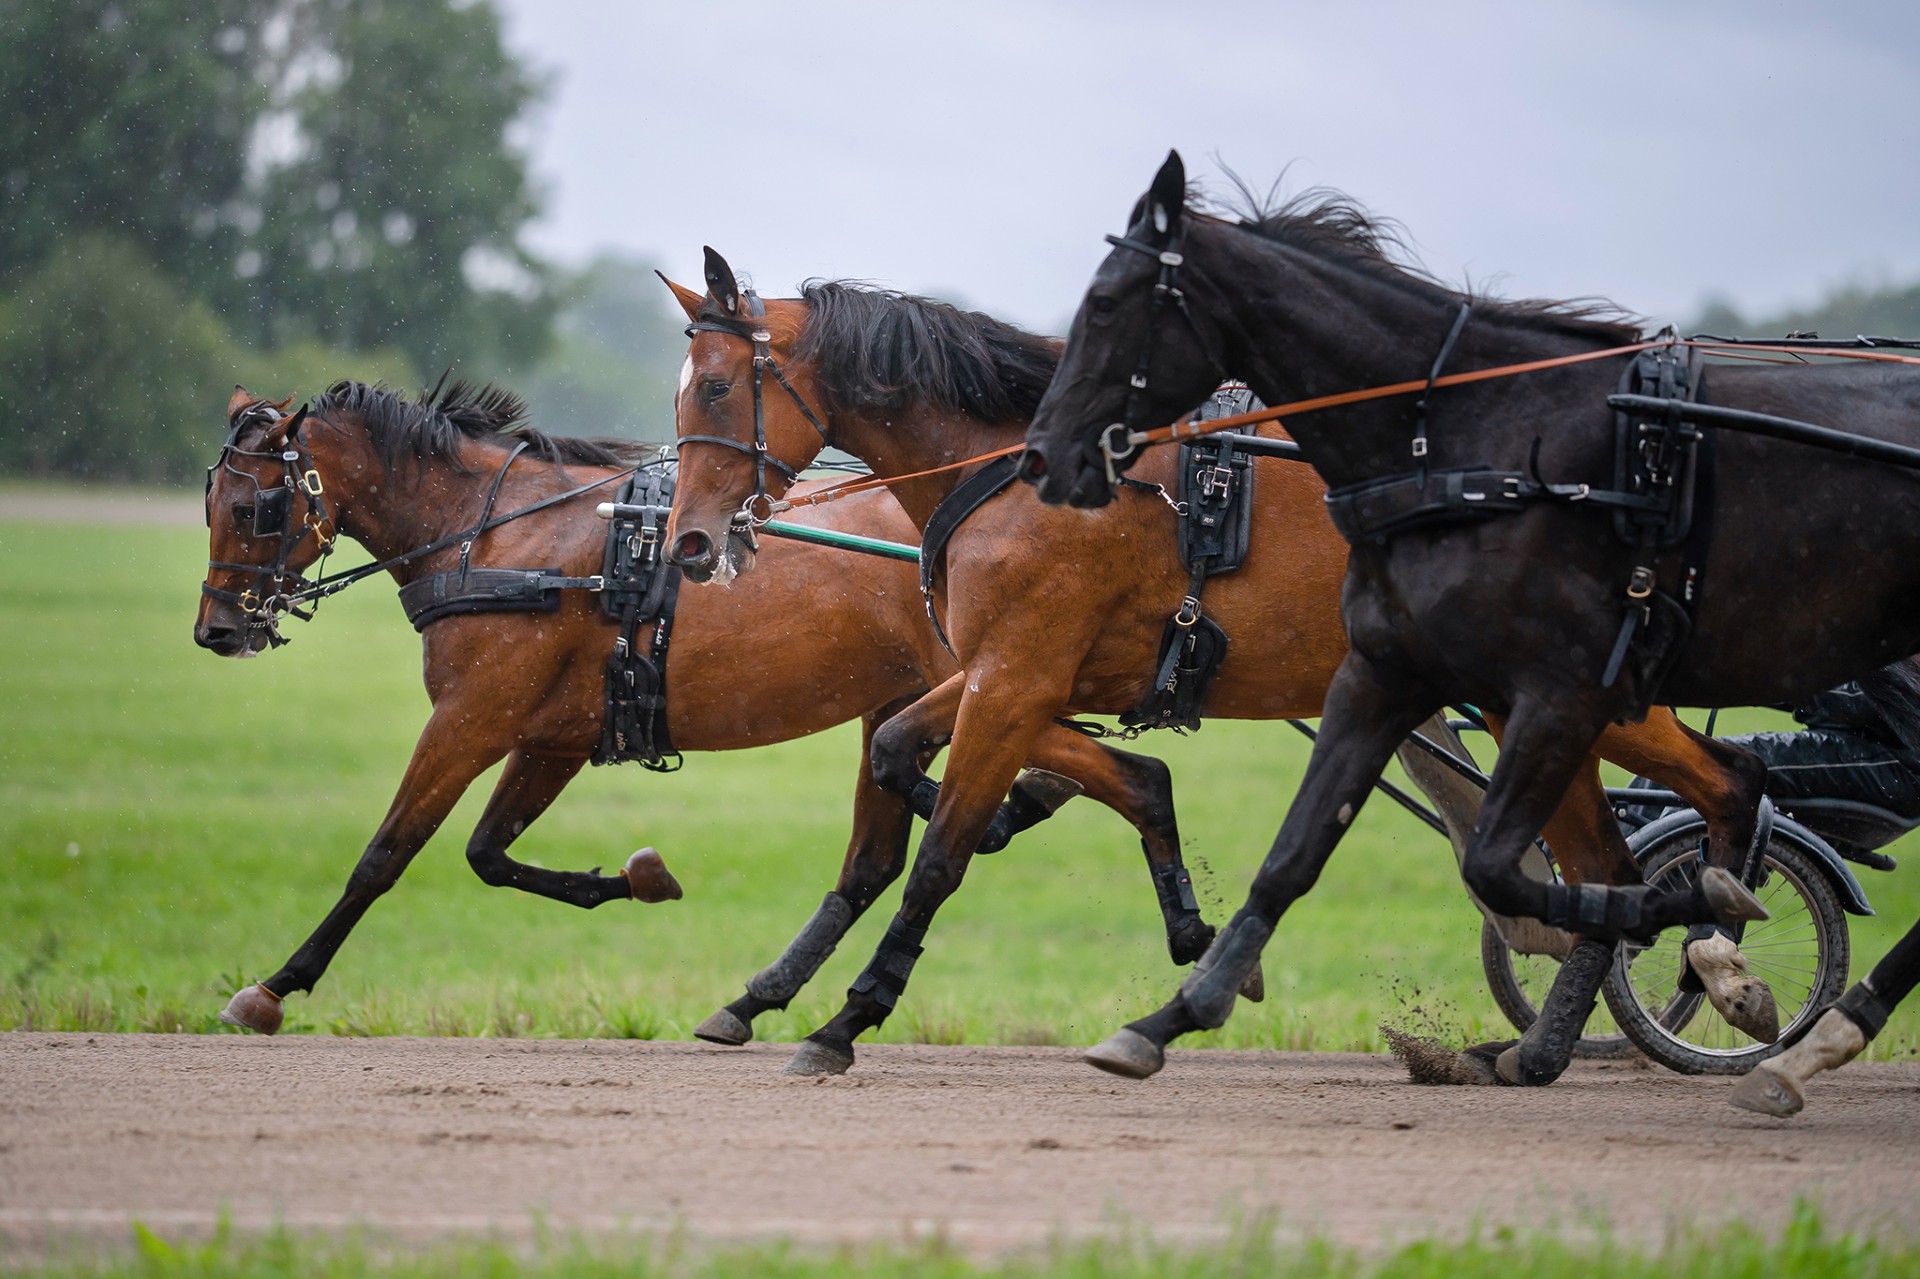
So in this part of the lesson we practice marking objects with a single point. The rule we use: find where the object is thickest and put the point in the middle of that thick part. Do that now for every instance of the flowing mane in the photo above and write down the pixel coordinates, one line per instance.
(434, 424)
(1328, 223)
(878, 349)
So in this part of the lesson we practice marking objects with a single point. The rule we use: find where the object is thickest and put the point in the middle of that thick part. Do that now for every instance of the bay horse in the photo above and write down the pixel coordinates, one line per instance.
(1531, 603)
(818, 638)
(1057, 612)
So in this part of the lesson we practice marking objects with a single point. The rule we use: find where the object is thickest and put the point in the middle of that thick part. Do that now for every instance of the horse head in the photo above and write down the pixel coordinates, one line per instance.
(1136, 356)
(267, 520)
(745, 410)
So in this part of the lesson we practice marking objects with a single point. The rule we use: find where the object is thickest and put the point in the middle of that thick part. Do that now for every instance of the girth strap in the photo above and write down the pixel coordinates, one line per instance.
(1375, 510)
(967, 497)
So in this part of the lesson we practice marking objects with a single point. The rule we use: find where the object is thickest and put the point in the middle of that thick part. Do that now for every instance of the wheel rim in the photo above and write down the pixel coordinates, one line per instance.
(1788, 950)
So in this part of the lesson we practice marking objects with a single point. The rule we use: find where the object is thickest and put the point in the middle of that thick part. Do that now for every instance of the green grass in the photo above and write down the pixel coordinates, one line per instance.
(1803, 1250)
(173, 824)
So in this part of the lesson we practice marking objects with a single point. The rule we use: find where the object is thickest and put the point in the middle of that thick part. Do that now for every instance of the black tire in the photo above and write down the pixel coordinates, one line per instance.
(1801, 951)
(1519, 982)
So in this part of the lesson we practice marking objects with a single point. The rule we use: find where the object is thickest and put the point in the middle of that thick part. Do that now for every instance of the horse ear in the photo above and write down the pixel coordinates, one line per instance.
(689, 300)
(238, 402)
(720, 283)
(1167, 197)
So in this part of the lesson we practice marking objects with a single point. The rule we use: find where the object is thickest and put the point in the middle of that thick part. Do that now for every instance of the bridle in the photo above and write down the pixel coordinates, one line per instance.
(274, 589)
(759, 507)
(1117, 451)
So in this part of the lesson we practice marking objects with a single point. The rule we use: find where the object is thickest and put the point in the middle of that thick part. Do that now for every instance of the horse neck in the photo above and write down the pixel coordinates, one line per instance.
(1301, 324)
(920, 438)
(418, 502)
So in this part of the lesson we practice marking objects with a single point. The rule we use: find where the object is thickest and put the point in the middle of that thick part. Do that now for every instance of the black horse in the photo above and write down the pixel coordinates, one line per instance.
(1508, 549)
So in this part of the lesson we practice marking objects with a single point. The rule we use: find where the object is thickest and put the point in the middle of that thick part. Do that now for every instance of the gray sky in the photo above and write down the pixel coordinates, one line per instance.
(1651, 153)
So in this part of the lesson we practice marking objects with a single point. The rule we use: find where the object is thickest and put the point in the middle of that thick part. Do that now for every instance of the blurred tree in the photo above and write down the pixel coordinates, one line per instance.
(1851, 309)
(387, 192)
(615, 359)
(125, 117)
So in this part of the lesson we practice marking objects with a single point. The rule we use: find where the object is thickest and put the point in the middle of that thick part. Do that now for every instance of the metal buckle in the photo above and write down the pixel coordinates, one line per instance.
(1189, 612)
(311, 480)
(1419, 446)
(1640, 585)
(1511, 483)
(1138, 381)
(1169, 258)
(762, 336)
(1214, 481)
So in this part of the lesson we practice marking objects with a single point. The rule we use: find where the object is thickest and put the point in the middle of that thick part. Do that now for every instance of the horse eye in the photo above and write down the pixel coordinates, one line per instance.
(1102, 306)
(717, 390)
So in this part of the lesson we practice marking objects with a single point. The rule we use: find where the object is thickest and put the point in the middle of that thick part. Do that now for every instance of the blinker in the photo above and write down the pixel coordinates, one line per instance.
(270, 512)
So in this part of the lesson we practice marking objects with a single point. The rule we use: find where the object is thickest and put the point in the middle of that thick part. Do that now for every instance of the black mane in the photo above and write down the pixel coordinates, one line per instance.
(1324, 222)
(878, 349)
(434, 424)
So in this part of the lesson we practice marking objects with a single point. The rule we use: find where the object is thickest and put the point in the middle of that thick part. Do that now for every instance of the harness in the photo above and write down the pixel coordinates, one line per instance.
(757, 509)
(636, 585)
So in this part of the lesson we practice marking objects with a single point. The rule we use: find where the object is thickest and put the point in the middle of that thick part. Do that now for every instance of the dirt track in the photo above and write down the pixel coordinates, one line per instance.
(1000, 1146)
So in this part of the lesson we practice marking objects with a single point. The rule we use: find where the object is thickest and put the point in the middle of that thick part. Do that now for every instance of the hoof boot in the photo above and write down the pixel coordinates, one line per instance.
(253, 1008)
(1768, 1092)
(724, 1028)
(1254, 988)
(1127, 1053)
(1728, 898)
(649, 880)
(815, 1058)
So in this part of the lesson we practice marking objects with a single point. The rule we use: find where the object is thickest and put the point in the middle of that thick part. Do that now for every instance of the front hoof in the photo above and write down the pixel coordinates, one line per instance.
(253, 1008)
(1767, 1092)
(724, 1028)
(649, 880)
(814, 1058)
(1127, 1053)
(1728, 898)
(1750, 1009)
(1254, 988)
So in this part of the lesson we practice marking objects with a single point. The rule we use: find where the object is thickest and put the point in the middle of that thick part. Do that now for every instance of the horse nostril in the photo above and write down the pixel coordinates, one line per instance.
(218, 638)
(1033, 465)
(694, 548)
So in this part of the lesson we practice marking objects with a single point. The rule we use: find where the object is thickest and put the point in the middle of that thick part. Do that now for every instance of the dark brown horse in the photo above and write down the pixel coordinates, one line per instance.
(1552, 544)
(817, 637)
(1054, 612)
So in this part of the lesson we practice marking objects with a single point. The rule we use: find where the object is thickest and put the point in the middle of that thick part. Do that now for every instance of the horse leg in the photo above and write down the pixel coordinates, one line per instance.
(1140, 789)
(906, 744)
(445, 761)
(1367, 715)
(1724, 783)
(993, 735)
(1777, 1086)
(527, 786)
(875, 857)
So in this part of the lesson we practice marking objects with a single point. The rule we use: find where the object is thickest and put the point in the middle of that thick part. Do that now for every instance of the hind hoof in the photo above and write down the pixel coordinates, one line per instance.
(253, 1008)
(1127, 1053)
(1254, 988)
(648, 878)
(1049, 790)
(814, 1058)
(724, 1028)
(1766, 1092)
(1513, 1068)
(1728, 898)
(1752, 1010)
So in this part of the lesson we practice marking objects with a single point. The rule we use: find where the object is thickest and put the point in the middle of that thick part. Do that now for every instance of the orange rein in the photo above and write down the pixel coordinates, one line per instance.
(1188, 430)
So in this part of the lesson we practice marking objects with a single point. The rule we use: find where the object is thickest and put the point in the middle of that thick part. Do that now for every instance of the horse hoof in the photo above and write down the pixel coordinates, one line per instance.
(1507, 1067)
(815, 1058)
(1254, 988)
(1127, 1053)
(1049, 790)
(724, 1028)
(1728, 898)
(1767, 1092)
(649, 880)
(253, 1008)
(1751, 1010)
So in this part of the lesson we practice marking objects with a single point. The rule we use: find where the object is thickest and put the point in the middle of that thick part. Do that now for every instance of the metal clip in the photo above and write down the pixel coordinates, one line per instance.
(1641, 584)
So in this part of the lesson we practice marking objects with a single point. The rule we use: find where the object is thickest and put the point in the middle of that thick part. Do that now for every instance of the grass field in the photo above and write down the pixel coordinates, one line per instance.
(173, 824)
(1804, 1250)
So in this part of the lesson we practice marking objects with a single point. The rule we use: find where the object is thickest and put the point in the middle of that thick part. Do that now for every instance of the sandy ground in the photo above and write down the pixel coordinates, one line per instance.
(998, 1147)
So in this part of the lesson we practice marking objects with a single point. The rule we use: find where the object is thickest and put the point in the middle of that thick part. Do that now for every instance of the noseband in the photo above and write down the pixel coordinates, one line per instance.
(757, 509)
(275, 590)
(1117, 451)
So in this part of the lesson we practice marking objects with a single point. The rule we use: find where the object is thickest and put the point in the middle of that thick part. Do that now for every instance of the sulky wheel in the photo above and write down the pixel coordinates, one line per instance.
(1800, 950)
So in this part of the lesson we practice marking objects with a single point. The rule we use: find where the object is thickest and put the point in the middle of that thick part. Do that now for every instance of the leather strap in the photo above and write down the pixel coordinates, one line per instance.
(967, 497)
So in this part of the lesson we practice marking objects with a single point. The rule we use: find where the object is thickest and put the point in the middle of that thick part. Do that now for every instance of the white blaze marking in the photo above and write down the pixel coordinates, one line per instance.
(686, 376)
